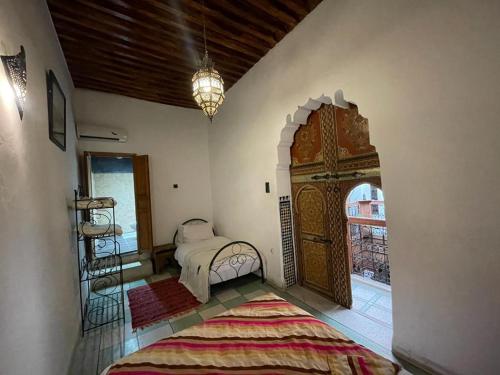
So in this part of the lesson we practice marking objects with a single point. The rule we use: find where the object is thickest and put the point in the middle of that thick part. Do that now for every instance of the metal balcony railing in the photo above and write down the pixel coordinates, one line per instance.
(368, 248)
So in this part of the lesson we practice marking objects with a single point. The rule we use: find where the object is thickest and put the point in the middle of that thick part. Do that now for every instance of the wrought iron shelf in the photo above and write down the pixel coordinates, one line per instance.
(101, 277)
(94, 203)
(101, 267)
(103, 309)
(82, 236)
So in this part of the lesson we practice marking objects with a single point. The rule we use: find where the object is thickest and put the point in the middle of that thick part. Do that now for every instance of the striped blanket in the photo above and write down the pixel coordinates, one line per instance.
(264, 336)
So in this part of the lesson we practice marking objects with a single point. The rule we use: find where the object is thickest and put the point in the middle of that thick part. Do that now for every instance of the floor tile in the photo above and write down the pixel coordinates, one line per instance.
(364, 292)
(385, 301)
(377, 332)
(106, 357)
(86, 355)
(299, 303)
(360, 304)
(128, 314)
(255, 294)
(135, 284)
(249, 288)
(186, 322)
(149, 337)
(153, 326)
(212, 311)
(129, 347)
(114, 334)
(381, 314)
(234, 302)
(312, 299)
(226, 295)
(211, 303)
(183, 315)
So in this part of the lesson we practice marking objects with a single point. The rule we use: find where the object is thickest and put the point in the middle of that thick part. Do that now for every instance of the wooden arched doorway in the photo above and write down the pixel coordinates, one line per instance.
(331, 153)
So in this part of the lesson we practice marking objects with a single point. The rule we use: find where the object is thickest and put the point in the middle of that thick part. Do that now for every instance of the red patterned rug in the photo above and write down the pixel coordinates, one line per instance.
(158, 301)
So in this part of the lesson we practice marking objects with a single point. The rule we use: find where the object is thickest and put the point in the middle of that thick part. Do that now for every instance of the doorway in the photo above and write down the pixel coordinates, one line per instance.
(330, 155)
(113, 176)
(367, 234)
(369, 253)
(124, 177)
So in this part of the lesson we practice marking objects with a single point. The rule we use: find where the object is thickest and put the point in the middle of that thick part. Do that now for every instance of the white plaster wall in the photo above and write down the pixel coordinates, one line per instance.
(176, 140)
(425, 74)
(39, 309)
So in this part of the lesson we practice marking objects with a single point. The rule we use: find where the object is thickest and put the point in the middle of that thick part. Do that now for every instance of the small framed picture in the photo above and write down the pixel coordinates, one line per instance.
(57, 111)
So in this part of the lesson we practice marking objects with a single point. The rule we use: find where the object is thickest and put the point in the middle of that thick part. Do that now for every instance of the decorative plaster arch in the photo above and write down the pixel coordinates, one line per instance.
(299, 118)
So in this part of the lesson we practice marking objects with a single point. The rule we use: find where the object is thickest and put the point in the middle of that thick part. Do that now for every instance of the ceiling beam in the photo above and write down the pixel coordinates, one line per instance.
(270, 8)
(150, 49)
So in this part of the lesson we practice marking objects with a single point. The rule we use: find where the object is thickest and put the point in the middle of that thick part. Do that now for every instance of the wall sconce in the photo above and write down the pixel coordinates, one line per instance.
(15, 69)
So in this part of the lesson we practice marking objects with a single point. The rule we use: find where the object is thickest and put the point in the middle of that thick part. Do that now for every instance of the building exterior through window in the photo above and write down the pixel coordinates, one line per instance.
(367, 233)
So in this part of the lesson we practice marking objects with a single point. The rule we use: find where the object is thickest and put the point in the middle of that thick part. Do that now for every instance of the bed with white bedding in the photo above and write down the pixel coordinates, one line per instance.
(207, 259)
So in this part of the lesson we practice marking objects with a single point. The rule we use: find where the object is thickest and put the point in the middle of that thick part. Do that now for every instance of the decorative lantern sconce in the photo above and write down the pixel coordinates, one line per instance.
(208, 85)
(15, 69)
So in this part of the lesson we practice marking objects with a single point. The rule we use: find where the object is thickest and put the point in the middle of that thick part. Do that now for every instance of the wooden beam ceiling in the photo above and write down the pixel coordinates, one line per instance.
(148, 49)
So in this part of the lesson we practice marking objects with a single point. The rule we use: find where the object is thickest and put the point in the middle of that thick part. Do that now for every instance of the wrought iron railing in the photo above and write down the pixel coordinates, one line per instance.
(368, 247)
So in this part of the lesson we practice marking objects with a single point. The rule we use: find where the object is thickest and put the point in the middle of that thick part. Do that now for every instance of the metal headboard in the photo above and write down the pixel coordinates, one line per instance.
(187, 222)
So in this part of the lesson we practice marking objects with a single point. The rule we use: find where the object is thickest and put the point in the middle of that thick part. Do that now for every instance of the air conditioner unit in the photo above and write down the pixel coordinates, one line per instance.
(101, 133)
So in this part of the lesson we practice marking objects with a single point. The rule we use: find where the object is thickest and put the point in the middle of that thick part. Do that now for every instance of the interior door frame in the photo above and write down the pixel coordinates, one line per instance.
(86, 182)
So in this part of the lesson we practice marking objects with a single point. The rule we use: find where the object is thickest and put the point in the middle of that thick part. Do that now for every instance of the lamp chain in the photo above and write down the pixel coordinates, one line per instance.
(204, 27)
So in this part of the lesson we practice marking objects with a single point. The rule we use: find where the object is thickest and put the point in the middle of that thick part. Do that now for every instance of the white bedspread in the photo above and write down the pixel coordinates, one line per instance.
(195, 258)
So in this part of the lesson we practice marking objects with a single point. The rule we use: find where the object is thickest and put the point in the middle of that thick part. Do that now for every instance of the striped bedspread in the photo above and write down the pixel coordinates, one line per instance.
(264, 336)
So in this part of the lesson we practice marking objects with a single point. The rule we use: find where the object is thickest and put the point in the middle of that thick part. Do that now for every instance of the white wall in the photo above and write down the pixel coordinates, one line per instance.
(39, 309)
(176, 140)
(425, 74)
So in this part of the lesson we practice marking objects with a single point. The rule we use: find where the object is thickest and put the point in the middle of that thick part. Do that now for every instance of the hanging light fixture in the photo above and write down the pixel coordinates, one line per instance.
(208, 86)
(15, 69)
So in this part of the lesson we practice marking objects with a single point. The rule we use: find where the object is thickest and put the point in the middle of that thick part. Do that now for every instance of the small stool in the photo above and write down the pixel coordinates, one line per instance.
(162, 253)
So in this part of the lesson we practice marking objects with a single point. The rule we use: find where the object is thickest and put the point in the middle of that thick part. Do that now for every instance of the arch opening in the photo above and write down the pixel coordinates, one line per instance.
(356, 162)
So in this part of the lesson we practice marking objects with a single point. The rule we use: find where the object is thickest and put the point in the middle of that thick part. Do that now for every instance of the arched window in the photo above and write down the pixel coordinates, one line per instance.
(367, 233)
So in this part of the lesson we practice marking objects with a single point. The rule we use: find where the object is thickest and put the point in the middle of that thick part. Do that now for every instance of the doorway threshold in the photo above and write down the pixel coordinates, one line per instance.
(374, 284)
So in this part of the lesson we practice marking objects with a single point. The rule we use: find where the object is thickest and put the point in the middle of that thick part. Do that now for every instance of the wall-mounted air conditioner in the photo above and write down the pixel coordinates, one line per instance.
(101, 133)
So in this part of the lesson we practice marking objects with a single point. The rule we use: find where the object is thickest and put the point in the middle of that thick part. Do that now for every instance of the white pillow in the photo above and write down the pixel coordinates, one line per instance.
(196, 232)
(179, 238)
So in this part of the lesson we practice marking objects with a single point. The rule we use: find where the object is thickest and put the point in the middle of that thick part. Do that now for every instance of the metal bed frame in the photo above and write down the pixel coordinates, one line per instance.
(235, 254)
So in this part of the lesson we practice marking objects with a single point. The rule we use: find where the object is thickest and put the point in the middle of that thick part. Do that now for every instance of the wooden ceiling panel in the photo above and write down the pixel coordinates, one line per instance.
(149, 49)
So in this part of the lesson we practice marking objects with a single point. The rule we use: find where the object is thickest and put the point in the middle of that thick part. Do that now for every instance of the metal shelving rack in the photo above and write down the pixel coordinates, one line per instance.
(101, 274)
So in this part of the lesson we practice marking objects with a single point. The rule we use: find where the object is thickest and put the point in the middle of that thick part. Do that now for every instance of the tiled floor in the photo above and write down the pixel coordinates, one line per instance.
(369, 322)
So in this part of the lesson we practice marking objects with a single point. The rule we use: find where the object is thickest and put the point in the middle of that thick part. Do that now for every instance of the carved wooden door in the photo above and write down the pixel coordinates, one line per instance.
(330, 153)
(310, 202)
(313, 237)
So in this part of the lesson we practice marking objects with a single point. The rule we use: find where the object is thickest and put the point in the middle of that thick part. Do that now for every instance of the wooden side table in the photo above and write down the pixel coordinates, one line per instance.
(161, 254)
